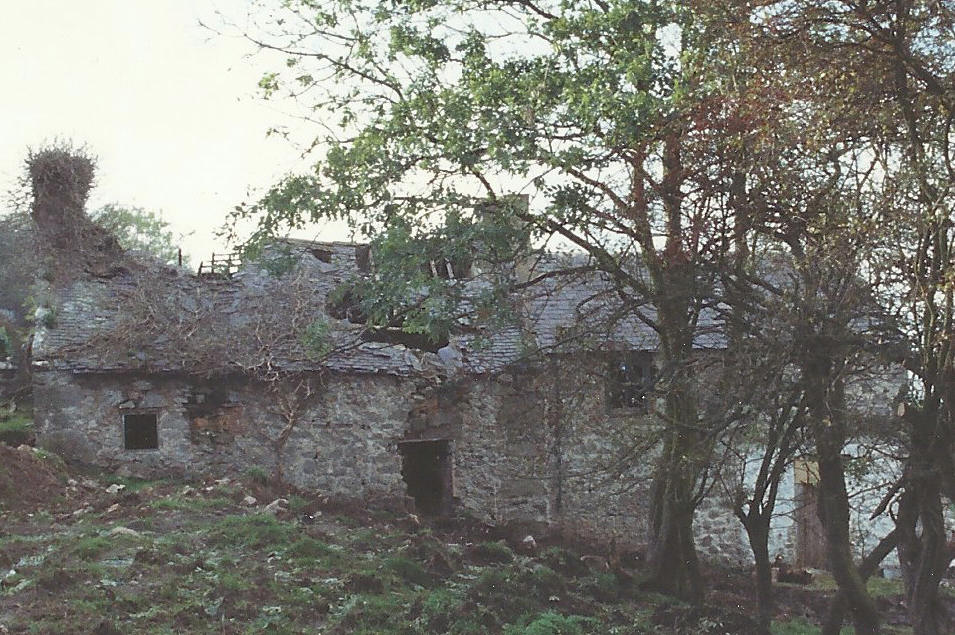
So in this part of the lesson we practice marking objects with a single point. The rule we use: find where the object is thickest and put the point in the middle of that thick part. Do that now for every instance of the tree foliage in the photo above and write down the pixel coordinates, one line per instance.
(681, 147)
(140, 231)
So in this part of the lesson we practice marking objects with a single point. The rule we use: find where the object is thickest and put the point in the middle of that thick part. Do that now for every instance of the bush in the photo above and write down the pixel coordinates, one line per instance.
(438, 609)
(372, 614)
(491, 552)
(89, 547)
(603, 587)
(6, 348)
(308, 547)
(257, 475)
(16, 430)
(544, 580)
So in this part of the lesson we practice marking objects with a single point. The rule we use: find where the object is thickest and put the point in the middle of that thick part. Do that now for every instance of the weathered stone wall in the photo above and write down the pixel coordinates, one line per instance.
(534, 444)
(515, 455)
(343, 440)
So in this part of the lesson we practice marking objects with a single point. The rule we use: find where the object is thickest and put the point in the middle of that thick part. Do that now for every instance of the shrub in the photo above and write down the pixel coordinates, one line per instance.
(16, 430)
(544, 580)
(491, 552)
(372, 614)
(308, 547)
(257, 475)
(89, 547)
(438, 609)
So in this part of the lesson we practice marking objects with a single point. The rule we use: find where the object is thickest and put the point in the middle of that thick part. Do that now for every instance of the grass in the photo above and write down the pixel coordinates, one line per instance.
(799, 626)
(551, 623)
(252, 531)
(90, 547)
(132, 484)
(308, 548)
(185, 503)
(16, 429)
(210, 565)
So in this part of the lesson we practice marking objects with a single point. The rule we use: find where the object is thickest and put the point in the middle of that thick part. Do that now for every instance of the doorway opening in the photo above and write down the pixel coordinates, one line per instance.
(426, 469)
(810, 537)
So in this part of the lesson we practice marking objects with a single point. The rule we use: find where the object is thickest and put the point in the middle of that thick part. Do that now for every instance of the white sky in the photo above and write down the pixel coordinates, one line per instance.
(168, 107)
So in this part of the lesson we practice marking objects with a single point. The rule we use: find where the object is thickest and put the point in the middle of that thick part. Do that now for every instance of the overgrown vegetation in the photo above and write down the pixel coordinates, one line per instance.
(165, 556)
(785, 165)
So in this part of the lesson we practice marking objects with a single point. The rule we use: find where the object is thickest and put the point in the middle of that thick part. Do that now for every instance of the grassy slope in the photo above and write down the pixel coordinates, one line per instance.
(193, 558)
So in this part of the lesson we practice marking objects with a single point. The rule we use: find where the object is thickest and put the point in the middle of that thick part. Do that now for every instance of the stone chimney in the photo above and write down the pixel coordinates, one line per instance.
(73, 244)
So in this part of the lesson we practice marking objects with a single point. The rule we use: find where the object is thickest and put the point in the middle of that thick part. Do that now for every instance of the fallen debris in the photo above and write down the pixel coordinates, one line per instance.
(278, 506)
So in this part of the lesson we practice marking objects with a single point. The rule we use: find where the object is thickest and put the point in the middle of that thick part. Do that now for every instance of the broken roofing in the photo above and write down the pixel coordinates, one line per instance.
(165, 320)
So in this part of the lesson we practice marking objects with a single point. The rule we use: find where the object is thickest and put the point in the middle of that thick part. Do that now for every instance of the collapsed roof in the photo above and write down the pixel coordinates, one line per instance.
(162, 319)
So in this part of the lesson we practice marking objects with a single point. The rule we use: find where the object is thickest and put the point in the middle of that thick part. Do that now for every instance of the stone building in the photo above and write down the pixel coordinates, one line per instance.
(151, 370)
(156, 371)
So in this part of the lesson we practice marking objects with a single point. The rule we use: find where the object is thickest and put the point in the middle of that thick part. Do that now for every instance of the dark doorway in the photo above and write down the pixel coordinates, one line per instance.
(426, 468)
(140, 432)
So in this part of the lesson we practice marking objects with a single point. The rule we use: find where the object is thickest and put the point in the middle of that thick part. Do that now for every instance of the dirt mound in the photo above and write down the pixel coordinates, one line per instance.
(29, 477)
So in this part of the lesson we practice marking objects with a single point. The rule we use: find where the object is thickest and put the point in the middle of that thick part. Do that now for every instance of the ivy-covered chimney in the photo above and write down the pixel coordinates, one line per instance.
(61, 178)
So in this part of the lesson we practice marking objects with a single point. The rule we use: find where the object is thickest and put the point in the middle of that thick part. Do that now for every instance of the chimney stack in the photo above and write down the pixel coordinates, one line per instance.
(61, 178)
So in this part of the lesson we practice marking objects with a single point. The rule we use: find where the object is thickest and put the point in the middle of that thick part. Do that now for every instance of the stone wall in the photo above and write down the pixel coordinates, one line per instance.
(521, 451)
(535, 444)
(342, 440)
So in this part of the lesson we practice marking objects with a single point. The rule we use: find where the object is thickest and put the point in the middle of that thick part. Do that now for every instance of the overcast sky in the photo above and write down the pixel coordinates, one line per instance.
(167, 107)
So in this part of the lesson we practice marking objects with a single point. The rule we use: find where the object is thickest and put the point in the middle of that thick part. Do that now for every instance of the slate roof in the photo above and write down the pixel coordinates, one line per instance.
(196, 312)
(583, 309)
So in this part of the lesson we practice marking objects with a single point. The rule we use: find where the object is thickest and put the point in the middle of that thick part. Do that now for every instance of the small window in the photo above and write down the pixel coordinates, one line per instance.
(630, 380)
(324, 255)
(140, 432)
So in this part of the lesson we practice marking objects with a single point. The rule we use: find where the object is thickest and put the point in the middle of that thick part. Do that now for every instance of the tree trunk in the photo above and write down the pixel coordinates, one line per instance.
(870, 564)
(757, 530)
(671, 553)
(834, 513)
(827, 409)
(923, 552)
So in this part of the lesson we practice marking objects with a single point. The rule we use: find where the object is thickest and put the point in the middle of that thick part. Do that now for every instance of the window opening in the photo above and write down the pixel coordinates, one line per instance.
(630, 380)
(346, 306)
(426, 469)
(140, 431)
(324, 255)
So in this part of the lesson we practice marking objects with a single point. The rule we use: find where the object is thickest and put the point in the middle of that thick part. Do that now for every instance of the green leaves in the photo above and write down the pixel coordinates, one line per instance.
(140, 230)
(317, 340)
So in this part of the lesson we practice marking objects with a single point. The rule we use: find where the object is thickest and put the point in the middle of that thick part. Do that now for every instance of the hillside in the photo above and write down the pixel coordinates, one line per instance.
(92, 552)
